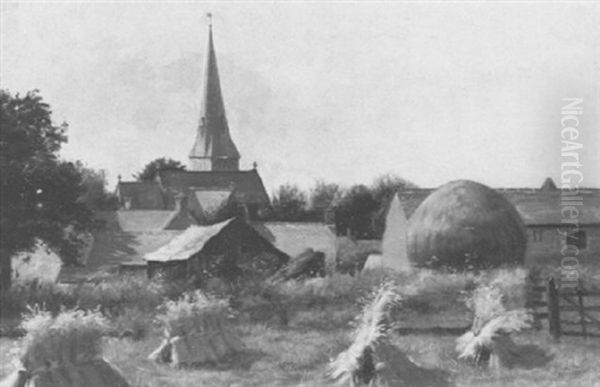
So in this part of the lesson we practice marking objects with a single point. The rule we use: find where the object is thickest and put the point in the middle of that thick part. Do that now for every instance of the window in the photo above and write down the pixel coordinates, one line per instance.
(577, 238)
(538, 234)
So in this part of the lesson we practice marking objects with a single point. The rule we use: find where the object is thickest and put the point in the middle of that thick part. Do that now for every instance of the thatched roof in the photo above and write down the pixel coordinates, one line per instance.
(537, 207)
(465, 224)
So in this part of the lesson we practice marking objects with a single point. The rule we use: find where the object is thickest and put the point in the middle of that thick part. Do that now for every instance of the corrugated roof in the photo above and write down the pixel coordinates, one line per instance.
(247, 185)
(187, 243)
(294, 238)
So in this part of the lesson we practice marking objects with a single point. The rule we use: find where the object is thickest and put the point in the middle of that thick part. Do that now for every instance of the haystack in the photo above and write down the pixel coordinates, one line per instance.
(197, 331)
(394, 251)
(64, 351)
(371, 360)
(489, 341)
(465, 225)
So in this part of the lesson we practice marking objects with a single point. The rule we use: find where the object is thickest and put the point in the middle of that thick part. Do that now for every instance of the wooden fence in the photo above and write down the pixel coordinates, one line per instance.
(570, 311)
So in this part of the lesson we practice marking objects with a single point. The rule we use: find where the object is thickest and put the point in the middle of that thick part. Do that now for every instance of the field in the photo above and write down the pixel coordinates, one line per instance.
(319, 315)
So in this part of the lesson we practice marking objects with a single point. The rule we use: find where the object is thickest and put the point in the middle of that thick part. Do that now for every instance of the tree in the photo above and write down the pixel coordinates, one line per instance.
(40, 193)
(355, 211)
(95, 195)
(324, 195)
(289, 203)
(155, 166)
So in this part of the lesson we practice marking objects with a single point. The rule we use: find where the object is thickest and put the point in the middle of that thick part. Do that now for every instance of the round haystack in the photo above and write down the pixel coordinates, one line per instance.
(465, 225)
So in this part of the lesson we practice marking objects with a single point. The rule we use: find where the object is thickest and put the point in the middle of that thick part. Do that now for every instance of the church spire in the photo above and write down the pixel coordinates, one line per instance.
(213, 149)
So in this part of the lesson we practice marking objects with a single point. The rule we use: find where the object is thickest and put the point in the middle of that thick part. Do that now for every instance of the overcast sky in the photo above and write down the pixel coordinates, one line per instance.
(343, 91)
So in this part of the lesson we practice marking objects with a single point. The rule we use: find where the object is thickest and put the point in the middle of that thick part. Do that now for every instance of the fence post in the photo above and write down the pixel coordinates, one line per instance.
(553, 309)
(581, 309)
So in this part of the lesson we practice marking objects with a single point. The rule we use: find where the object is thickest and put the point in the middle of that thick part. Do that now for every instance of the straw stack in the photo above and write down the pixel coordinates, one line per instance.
(371, 360)
(64, 351)
(197, 331)
(488, 341)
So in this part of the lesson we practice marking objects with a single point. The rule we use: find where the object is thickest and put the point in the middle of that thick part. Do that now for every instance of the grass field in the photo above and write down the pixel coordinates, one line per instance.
(319, 320)
(298, 356)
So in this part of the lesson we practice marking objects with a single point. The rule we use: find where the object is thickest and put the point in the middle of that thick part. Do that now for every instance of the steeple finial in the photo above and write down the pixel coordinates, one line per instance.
(209, 18)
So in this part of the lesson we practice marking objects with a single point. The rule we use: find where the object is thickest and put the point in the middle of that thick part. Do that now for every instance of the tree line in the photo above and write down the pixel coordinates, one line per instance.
(358, 211)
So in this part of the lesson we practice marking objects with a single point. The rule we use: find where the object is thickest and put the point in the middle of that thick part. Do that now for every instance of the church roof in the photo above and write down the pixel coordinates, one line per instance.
(213, 139)
(247, 185)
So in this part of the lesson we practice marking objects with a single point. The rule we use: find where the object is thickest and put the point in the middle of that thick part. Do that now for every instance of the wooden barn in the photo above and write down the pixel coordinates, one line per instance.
(230, 250)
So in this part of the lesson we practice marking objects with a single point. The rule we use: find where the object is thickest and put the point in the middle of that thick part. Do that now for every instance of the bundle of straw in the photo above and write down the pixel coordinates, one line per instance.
(194, 311)
(64, 351)
(492, 322)
(356, 365)
(196, 331)
(73, 337)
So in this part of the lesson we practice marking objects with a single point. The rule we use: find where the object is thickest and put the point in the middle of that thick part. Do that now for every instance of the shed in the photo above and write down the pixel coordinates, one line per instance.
(229, 250)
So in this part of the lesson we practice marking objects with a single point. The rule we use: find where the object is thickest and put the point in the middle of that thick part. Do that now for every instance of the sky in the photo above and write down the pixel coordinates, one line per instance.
(343, 92)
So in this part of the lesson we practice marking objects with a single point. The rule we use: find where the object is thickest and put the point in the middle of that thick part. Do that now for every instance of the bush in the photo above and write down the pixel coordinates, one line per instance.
(112, 295)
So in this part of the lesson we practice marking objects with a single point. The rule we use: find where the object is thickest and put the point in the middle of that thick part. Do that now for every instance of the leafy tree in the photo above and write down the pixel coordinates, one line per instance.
(153, 167)
(95, 195)
(324, 195)
(289, 203)
(354, 213)
(40, 193)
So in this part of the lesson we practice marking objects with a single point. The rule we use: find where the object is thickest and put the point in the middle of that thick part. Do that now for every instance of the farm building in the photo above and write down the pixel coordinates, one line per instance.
(464, 224)
(540, 210)
(120, 240)
(295, 238)
(229, 250)
(213, 188)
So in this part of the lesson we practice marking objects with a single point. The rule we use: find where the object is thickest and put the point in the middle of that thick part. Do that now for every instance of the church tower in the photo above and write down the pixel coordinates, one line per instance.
(213, 149)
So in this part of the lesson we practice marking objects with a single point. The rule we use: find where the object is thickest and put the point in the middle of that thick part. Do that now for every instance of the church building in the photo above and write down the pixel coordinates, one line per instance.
(213, 186)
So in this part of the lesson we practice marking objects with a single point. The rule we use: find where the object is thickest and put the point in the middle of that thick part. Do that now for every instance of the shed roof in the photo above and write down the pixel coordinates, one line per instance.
(186, 244)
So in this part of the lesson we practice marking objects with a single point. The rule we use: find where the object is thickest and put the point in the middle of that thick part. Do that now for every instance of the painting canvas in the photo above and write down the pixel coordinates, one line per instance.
(299, 193)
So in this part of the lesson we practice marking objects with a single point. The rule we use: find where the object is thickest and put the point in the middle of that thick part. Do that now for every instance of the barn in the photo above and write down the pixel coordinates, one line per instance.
(231, 250)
